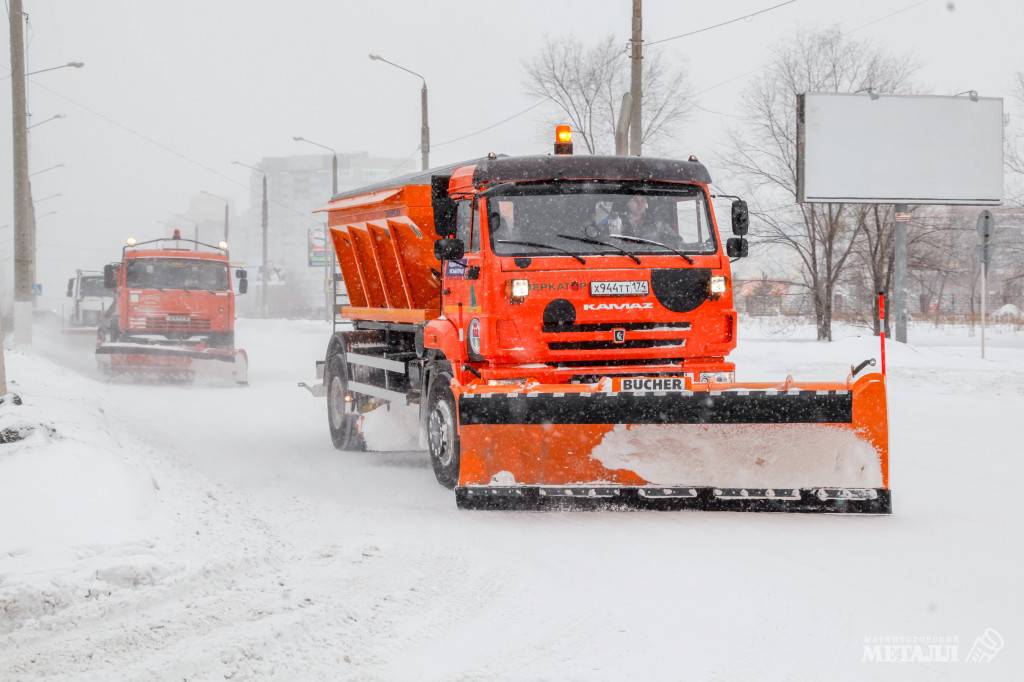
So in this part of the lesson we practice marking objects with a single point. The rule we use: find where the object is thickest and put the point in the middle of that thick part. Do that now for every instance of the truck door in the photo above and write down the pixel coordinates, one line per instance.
(462, 283)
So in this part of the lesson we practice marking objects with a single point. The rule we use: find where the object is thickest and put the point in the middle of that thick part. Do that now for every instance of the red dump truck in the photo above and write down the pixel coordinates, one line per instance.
(174, 312)
(563, 324)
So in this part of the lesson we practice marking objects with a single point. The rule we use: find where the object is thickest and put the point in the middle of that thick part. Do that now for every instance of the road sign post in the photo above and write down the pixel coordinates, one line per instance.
(986, 225)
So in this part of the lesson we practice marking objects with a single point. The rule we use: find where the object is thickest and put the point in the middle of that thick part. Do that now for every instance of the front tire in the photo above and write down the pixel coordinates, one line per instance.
(443, 430)
(342, 419)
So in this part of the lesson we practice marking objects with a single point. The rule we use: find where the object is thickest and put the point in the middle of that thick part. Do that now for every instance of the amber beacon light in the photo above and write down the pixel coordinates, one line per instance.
(563, 140)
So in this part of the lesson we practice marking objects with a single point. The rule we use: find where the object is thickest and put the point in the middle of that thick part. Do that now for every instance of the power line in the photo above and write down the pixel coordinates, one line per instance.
(161, 145)
(724, 23)
(493, 125)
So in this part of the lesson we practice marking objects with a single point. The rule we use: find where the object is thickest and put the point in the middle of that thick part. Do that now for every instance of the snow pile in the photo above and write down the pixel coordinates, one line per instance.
(69, 493)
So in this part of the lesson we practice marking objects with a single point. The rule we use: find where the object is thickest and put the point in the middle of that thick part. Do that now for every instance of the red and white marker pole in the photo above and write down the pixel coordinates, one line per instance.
(881, 326)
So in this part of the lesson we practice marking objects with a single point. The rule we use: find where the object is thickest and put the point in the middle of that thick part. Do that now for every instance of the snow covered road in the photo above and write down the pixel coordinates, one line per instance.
(208, 532)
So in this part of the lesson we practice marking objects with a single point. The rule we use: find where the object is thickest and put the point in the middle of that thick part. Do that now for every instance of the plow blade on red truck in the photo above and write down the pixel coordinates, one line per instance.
(668, 444)
(172, 362)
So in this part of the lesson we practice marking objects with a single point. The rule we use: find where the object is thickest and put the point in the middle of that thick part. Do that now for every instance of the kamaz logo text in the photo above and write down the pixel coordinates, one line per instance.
(618, 306)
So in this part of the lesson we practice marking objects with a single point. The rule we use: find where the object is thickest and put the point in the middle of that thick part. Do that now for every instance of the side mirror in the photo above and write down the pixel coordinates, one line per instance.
(241, 274)
(449, 249)
(71, 287)
(110, 276)
(443, 205)
(243, 285)
(737, 247)
(740, 218)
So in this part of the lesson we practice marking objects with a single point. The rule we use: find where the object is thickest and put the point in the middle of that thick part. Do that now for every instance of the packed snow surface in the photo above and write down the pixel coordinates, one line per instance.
(211, 532)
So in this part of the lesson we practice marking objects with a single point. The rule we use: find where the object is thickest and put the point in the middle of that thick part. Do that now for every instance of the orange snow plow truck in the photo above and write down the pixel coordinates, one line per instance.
(173, 315)
(563, 324)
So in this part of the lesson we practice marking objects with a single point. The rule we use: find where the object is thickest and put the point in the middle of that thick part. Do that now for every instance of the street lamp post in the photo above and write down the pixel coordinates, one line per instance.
(330, 286)
(59, 165)
(424, 124)
(48, 197)
(224, 199)
(69, 65)
(24, 232)
(52, 118)
(264, 271)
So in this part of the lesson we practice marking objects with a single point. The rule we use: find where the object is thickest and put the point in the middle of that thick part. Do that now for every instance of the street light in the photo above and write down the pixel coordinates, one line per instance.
(331, 287)
(264, 274)
(424, 127)
(224, 199)
(52, 118)
(59, 165)
(69, 65)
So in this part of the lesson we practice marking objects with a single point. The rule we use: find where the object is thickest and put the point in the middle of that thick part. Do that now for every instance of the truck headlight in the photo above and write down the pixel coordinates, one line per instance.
(473, 337)
(520, 288)
(717, 287)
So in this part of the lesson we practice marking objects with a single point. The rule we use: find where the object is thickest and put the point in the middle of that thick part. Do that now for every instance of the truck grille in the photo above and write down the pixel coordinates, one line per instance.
(160, 323)
(612, 345)
(608, 326)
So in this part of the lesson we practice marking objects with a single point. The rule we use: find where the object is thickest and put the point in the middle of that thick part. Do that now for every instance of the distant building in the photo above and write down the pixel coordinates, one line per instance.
(296, 186)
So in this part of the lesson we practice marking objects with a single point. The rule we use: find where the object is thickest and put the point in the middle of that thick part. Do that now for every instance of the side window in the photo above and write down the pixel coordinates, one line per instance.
(690, 220)
(464, 226)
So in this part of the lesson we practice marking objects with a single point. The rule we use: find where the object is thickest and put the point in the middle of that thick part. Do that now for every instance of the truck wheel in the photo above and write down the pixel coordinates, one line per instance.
(342, 419)
(443, 430)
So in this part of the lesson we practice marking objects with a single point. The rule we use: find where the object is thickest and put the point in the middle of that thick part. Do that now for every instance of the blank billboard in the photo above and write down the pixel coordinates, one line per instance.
(899, 149)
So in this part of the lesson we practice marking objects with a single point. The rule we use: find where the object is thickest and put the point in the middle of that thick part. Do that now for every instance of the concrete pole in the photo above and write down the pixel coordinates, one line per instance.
(24, 251)
(329, 284)
(984, 295)
(622, 126)
(265, 277)
(226, 223)
(3, 367)
(899, 275)
(424, 129)
(636, 75)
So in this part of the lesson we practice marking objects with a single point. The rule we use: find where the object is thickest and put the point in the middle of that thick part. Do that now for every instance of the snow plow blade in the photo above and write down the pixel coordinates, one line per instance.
(172, 362)
(793, 447)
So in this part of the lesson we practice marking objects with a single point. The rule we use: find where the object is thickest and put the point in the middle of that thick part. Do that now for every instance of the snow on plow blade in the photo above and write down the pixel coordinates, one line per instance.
(172, 361)
(802, 447)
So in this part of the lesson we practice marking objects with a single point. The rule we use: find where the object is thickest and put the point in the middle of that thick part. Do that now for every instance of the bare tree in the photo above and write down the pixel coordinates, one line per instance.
(763, 152)
(1015, 135)
(586, 84)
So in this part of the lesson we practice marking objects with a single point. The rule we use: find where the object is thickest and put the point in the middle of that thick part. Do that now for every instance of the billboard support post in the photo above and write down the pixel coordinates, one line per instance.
(986, 225)
(899, 275)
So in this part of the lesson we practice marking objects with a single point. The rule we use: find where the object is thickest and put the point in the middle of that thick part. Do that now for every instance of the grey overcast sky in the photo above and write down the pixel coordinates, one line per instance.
(216, 80)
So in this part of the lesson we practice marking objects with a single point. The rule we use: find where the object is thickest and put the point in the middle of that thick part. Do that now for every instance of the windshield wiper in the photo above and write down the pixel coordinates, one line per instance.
(543, 246)
(598, 242)
(638, 240)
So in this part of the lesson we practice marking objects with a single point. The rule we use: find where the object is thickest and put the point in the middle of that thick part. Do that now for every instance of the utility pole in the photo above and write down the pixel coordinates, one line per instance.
(622, 126)
(424, 128)
(636, 74)
(265, 276)
(226, 218)
(899, 275)
(24, 246)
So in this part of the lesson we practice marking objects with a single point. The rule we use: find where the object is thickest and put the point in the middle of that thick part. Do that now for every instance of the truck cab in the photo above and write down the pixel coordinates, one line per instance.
(89, 300)
(173, 303)
(564, 269)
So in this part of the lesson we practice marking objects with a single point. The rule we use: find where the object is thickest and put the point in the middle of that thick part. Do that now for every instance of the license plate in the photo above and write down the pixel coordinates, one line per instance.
(628, 288)
(650, 384)
(179, 318)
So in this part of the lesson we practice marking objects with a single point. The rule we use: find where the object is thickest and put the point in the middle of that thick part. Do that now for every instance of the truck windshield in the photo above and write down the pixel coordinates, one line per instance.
(93, 286)
(177, 273)
(579, 216)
